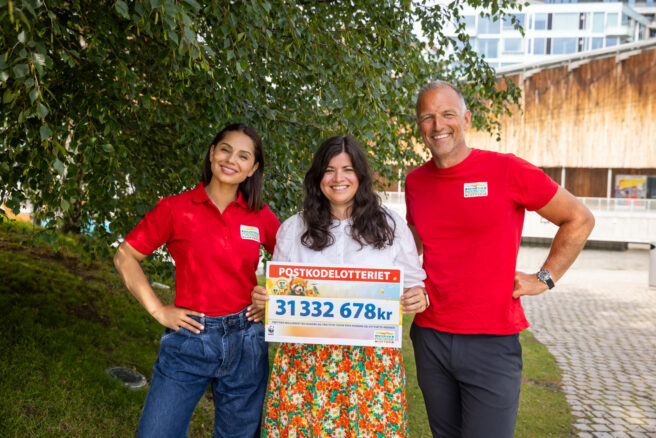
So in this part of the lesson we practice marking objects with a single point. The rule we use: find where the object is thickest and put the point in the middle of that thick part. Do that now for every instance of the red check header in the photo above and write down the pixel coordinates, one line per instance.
(346, 274)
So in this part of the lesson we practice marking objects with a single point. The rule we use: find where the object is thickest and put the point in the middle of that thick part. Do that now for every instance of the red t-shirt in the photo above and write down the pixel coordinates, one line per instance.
(470, 218)
(215, 254)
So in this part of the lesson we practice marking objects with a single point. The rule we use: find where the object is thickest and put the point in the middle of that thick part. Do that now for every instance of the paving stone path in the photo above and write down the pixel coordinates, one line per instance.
(600, 324)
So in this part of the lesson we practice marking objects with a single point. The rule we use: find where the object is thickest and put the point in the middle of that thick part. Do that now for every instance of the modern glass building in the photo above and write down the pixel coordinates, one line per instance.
(556, 28)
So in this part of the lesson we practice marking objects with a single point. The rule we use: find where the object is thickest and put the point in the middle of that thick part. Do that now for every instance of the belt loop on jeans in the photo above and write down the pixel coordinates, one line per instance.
(242, 319)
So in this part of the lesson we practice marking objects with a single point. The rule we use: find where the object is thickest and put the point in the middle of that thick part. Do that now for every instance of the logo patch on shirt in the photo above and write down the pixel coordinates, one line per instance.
(249, 233)
(475, 190)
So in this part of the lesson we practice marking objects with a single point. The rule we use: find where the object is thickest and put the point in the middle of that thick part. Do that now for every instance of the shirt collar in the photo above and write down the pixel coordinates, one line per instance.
(199, 196)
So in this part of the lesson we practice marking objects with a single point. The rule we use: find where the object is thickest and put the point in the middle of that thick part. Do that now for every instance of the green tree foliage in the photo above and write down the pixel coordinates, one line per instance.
(107, 106)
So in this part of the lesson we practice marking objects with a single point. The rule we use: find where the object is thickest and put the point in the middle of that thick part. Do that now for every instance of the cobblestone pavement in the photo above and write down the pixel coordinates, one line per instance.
(600, 324)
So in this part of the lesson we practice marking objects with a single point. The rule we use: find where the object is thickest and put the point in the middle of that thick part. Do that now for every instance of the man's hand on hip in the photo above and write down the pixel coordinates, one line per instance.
(527, 284)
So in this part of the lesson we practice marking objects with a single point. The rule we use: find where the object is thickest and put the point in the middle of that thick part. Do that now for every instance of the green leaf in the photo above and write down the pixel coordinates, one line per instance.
(39, 59)
(21, 70)
(108, 148)
(122, 9)
(27, 6)
(194, 4)
(173, 36)
(34, 95)
(59, 166)
(65, 205)
(42, 110)
(45, 132)
(8, 96)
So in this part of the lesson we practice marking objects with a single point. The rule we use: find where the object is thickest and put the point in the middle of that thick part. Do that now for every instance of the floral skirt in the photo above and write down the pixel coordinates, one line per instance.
(336, 391)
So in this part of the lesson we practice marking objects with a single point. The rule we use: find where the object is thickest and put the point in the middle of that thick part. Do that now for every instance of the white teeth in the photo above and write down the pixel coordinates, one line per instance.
(439, 137)
(228, 170)
(339, 187)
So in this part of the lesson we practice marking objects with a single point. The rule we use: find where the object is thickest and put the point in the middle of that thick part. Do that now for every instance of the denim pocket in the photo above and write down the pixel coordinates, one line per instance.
(168, 332)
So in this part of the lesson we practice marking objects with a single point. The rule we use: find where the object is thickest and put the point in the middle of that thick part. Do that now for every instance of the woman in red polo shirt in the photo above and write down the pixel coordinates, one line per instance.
(213, 233)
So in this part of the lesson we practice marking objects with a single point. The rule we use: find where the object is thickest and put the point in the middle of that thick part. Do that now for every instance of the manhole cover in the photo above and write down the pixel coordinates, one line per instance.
(129, 377)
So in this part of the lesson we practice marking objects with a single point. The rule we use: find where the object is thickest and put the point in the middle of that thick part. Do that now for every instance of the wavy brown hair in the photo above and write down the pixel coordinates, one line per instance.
(251, 187)
(370, 220)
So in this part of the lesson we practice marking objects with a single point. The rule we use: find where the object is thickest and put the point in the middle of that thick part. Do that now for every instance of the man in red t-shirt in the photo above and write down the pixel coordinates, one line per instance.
(466, 209)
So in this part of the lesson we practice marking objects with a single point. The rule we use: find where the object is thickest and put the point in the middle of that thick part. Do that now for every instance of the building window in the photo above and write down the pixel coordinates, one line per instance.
(611, 20)
(541, 21)
(583, 21)
(539, 46)
(611, 41)
(470, 22)
(487, 25)
(513, 45)
(598, 22)
(564, 46)
(596, 43)
(488, 47)
(565, 21)
(508, 24)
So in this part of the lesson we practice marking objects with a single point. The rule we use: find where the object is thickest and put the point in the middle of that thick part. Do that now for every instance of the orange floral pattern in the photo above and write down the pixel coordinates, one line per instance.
(336, 391)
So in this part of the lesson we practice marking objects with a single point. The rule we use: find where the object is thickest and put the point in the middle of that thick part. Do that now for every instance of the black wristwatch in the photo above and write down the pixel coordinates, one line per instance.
(545, 277)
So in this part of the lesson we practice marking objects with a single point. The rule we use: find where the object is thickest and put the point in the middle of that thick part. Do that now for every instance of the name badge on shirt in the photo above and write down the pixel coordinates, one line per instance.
(475, 190)
(249, 233)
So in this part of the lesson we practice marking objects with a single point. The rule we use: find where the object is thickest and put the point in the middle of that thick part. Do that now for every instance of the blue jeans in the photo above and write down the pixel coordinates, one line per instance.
(231, 355)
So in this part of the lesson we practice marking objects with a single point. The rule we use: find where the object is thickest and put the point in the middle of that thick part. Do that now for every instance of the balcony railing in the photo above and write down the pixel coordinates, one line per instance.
(618, 31)
(595, 204)
(617, 220)
(620, 204)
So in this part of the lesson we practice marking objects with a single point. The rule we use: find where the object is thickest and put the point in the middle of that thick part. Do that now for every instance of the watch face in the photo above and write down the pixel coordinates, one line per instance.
(545, 277)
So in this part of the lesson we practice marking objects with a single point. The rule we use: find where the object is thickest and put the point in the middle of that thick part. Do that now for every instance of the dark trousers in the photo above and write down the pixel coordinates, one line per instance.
(470, 383)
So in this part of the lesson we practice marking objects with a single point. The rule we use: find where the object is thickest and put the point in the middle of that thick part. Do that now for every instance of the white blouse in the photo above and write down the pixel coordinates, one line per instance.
(347, 251)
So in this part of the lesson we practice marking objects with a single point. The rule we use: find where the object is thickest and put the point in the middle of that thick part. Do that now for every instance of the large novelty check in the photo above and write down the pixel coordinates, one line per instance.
(341, 305)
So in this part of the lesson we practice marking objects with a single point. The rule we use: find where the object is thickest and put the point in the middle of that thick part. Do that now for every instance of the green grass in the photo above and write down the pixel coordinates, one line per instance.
(65, 320)
(543, 409)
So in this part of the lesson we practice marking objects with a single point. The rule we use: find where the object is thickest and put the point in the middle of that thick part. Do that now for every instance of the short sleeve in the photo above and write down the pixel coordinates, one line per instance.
(287, 238)
(154, 230)
(528, 185)
(271, 226)
(408, 201)
(406, 255)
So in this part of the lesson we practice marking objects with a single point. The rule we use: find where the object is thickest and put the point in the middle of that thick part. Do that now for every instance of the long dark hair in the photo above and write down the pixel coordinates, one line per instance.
(370, 225)
(251, 187)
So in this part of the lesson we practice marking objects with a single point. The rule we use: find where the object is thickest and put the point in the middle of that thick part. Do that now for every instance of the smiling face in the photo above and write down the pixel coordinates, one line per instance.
(442, 120)
(233, 158)
(339, 184)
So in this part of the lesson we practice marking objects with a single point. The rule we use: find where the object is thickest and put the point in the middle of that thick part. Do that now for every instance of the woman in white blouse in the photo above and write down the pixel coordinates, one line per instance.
(330, 390)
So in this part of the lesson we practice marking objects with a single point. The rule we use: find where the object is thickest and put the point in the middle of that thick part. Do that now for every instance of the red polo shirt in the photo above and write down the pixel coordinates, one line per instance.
(469, 218)
(216, 254)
